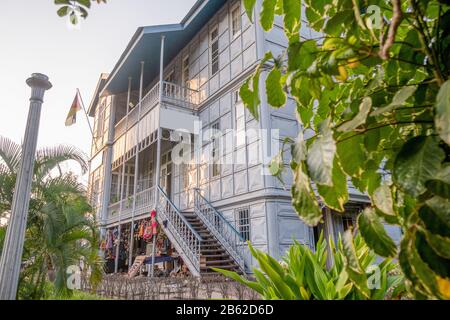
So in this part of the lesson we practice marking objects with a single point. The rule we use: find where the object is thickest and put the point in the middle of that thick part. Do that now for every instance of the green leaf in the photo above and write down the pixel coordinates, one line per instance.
(249, 5)
(442, 118)
(436, 216)
(335, 197)
(441, 245)
(382, 199)
(250, 97)
(360, 118)
(86, 3)
(277, 165)
(399, 100)
(299, 149)
(233, 275)
(63, 11)
(304, 200)
(73, 18)
(267, 15)
(354, 270)
(301, 55)
(292, 15)
(414, 269)
(440, 186)
(438, 264)
(276, 96)
(321, 156)
(352, 156)
(59, 2)
(249, 91)
(418, 161)
(373, 232)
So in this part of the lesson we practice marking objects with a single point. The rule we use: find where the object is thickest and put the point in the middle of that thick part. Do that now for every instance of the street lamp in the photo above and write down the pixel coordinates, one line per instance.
(11, 259)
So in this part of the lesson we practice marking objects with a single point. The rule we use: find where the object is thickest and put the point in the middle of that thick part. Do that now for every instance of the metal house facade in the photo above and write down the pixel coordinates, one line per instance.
(187, 76)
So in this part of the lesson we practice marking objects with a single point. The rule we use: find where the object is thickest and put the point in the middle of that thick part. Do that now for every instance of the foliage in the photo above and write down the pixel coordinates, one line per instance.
(75, 8)
(303, 274)
(371, 81)
(60, 228)
(77, 295)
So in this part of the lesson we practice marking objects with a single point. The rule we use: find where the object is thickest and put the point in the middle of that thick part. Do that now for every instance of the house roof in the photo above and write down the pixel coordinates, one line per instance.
(146, 46)
(100, 85)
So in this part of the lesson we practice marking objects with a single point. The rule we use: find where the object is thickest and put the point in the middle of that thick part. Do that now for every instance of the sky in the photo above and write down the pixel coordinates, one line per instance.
(34, 39)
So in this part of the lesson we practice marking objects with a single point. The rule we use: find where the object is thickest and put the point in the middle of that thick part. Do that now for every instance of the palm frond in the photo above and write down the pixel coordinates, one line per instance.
(10, 153)
(48, 159)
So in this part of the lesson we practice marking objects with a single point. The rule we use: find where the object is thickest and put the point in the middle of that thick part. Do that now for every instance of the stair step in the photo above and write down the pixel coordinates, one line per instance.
(226, 267)
(206, 235)
(213, 256)
(212, 250)
(215, 262)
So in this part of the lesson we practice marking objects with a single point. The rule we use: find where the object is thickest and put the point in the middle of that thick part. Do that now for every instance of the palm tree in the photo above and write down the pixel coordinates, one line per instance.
(61, 229)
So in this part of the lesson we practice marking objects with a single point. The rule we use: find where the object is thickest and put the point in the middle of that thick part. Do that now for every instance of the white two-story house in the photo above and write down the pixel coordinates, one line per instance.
(187, 76)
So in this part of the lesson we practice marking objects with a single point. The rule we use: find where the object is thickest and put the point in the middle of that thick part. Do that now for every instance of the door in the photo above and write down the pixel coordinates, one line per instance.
(166, 174)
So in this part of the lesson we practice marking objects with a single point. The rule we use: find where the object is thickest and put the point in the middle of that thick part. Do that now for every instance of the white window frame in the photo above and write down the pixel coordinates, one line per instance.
(215, 53)
(243, 228)
(235, 32)
(185, 69)
(215, 151)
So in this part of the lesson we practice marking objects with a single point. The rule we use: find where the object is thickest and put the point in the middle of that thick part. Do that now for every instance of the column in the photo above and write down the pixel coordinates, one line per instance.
(136, 166)
(108, 166)
(122, 183)
(15, 236)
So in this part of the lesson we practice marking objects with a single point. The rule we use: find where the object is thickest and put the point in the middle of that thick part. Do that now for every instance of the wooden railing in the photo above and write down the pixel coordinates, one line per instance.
(187, 97)
(145, 202)
(172, 93)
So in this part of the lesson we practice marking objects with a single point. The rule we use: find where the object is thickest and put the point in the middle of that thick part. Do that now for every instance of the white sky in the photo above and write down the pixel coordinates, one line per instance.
(34, 39)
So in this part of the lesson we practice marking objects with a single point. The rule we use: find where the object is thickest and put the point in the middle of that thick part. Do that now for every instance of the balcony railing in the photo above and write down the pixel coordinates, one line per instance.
(188, 98)
(145, 202)
(172, 94)
(186, 240)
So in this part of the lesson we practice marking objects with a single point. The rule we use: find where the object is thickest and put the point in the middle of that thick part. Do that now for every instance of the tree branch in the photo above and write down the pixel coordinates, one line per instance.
(395, 23)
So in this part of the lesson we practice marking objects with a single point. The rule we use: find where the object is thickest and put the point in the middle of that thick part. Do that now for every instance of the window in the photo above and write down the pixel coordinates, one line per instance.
(243, 223)
(348, 223)
(240, 121)
(170, 77)
(215, 149)
(236, 21)
(147, 176)
(215, 51)
(185, 72)
(115, 188)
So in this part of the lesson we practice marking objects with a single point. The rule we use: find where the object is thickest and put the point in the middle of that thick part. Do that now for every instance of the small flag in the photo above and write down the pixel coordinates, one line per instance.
(72, 116)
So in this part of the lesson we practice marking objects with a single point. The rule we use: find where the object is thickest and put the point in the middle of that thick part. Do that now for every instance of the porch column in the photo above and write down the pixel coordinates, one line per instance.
(136, 165)
(158, 147)
(108, 168)
(11, 258)
(122, 182)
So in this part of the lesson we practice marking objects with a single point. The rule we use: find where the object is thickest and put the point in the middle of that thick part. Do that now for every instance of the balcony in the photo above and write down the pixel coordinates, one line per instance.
(181, 98)
(122, 210)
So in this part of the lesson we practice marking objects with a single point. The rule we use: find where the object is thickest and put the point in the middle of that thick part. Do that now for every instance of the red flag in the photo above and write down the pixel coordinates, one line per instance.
(72, 116)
